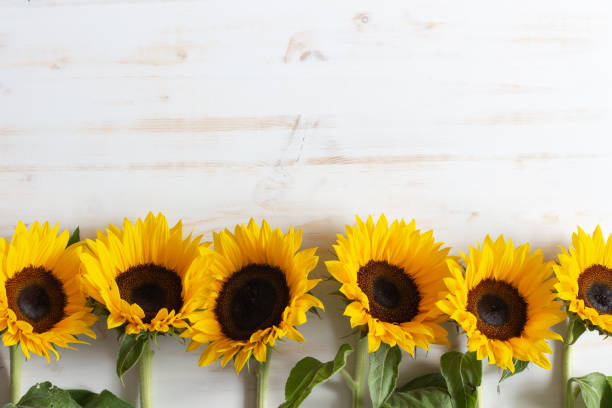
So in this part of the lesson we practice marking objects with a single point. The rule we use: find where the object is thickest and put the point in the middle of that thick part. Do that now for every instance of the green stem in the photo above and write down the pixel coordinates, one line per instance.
(15, 373)
(263, 374)
(566, 373)
(361, 366)
(349, 380)
(146, 377)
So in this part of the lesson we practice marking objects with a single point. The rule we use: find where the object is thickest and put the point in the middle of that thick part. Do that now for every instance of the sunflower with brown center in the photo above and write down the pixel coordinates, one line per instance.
(585, 278)
(143, 275)
(41, 303)
(393, 276)
(258, 290)
(504, 302)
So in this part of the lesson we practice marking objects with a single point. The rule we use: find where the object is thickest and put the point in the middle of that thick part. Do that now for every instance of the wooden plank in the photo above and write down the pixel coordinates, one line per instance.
(473, 117)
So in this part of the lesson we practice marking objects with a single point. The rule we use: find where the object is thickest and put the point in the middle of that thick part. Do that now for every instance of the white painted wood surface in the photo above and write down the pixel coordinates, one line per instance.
(473, 117)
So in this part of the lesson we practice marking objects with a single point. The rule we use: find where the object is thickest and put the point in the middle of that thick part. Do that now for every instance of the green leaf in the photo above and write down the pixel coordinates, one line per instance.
(130, 352)
(428, 397)
(308, 373)
(463, 373)
(428, 380)
(81, 397)
(519, 366)
(595, 389)
(107, 399)
(426, 391)
(382, 377)
(46, 395)
(575, 329)
(75, 237)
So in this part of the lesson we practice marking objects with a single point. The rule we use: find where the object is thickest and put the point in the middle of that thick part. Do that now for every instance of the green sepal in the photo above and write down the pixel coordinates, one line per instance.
(384, 370)
(353, 333)
(575, 329)
(315, 310)
(308, 373)
(342, 297)
(595, 389)
(589, 325)
(519, 366)
(130, 352)
(97, 308)
(463, 374)
(74, 237)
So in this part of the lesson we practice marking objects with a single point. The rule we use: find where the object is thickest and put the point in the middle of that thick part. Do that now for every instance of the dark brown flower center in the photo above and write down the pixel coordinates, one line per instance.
(152, 287)
(595, 288)
(37, 297)
(252, 299)
(500, 310)
(392, 293)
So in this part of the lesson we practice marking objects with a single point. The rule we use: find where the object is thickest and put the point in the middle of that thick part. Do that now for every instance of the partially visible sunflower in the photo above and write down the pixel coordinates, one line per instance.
(258, 291)
(143, 276)
(393, 275)
(504, 302)
(41, 303)
(585, 278)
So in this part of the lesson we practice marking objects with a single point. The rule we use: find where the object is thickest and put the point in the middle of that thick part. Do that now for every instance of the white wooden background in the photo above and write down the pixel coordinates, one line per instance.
(471, 116)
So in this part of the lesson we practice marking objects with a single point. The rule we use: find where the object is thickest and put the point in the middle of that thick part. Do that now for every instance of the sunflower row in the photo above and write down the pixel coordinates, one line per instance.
(235, 297)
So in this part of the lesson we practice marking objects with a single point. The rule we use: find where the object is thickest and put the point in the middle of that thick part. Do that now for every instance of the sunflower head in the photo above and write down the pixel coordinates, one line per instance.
(258, 291)
(143, 276)
(504, 302)
(585, 278)
(393, 276)
(41, 303)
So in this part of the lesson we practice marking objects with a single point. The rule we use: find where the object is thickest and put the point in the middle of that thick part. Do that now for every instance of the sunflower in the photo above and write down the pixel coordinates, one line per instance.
(143, 276)
(393, 276)
(41, 303)
(505, 303)
(258, 291)
(585, 278)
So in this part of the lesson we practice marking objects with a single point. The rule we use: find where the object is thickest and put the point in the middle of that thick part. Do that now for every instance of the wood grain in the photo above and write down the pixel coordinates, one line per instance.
(472, 117)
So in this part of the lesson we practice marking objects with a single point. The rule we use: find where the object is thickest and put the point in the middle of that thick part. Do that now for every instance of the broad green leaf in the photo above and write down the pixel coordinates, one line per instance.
(107, 399)
(463, 373)
(428, 397)
(382, 377)
(308, 373)
(519, 366)
(426, 391)
(428, 380)
(575, 329)
(595, 389)
(75, 237)
(130, 352)
(46, 395)
(82, 397)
